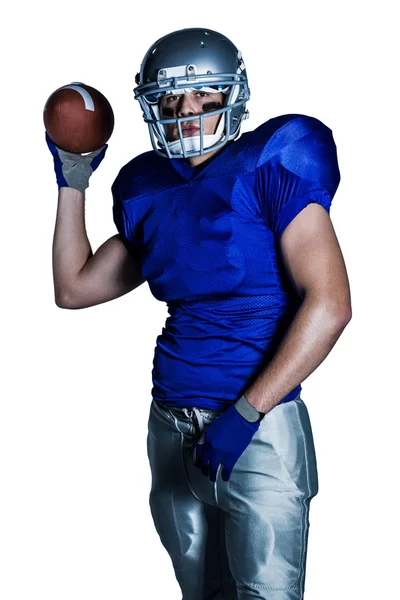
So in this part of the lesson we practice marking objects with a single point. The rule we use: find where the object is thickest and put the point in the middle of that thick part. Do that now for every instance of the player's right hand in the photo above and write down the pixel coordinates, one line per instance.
(73, 170)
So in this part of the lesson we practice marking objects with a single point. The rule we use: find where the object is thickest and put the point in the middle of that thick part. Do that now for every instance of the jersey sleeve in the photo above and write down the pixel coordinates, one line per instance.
(121, 218)
(297, 166)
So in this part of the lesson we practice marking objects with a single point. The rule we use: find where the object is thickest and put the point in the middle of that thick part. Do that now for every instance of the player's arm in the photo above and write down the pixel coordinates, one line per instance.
(315, 265)
(81, 278)
(314, 261)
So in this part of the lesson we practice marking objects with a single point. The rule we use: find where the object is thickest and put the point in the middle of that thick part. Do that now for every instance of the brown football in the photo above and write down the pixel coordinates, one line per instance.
(78, 118)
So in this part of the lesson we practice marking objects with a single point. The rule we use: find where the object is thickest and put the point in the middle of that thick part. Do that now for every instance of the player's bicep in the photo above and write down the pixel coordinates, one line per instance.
(110, 273)
(313, 258)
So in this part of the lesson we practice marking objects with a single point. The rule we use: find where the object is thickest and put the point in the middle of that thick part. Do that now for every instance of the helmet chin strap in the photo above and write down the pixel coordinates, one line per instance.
(192, 143)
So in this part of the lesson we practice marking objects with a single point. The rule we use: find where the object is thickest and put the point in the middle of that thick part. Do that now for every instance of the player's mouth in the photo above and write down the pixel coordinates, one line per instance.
(189, 130)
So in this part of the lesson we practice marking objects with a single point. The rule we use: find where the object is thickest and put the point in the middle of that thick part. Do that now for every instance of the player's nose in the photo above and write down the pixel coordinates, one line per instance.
(186, 106)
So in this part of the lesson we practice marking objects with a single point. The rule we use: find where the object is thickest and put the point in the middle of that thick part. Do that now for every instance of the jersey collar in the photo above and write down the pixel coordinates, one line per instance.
(186, 171)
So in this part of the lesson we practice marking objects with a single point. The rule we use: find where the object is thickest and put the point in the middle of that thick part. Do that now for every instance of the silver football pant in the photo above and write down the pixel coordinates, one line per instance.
(246, 537)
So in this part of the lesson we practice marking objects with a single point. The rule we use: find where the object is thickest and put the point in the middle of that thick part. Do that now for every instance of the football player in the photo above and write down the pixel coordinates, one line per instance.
(234, 234)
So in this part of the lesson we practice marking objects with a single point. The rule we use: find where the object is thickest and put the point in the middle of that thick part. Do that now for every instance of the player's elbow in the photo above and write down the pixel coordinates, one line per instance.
(342, 316)
(334, 309)
(63, 301)
(338, 313)
(340, 303)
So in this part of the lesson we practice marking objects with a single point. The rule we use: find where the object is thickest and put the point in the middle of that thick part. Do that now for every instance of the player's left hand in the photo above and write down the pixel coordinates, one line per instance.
(224, 441)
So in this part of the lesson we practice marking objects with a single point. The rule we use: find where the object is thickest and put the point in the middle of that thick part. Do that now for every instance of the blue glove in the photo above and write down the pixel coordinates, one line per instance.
(224, 441)
(73, 170)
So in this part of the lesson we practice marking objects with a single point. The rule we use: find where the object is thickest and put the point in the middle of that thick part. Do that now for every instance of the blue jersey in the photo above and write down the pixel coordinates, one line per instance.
(208, 241)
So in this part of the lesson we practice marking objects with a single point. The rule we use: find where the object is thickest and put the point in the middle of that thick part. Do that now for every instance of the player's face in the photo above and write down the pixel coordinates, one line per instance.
(196, 102)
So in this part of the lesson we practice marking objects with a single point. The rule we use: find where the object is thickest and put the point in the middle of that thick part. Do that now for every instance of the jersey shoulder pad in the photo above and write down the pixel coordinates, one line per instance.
(280, 134)
(255, 147)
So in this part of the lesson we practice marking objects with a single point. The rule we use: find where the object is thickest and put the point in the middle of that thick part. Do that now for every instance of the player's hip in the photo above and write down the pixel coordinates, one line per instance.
(281, 455)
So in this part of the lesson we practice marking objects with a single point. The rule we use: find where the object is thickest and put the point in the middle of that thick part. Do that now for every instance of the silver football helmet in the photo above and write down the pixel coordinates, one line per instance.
(180, 62)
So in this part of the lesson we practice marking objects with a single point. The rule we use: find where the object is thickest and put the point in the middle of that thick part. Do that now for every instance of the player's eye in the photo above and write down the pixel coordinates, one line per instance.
(171, 98)
(202, 94)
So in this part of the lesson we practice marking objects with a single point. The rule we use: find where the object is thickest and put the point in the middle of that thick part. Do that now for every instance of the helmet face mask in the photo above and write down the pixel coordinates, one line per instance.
(177, 108)
(214, 65)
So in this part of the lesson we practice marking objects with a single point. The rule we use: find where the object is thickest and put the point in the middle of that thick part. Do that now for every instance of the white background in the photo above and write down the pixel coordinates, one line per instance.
(75, 389)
